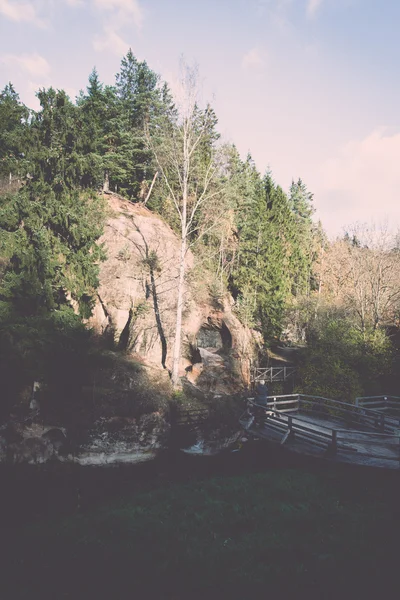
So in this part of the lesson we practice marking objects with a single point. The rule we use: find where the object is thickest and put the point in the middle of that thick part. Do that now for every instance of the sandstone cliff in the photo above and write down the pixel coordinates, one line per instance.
(136, 303)
(125, 410)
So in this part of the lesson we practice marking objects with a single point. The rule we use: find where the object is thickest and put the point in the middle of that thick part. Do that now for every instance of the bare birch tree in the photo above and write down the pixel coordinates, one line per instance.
(186, 161)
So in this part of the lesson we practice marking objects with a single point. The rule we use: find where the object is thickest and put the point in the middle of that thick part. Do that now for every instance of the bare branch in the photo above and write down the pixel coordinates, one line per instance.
(151, 188)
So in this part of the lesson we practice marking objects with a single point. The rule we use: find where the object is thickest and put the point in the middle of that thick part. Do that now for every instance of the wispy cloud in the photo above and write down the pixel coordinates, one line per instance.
(109, 40)
(278, 12)
(34, 64)
(312, 7)
(122, 10)
(252, 59)
(117, 15)
(20, 12)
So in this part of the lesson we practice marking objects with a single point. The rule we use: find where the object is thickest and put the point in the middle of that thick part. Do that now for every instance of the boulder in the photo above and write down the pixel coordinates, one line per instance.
(33, 451)
(57, 438)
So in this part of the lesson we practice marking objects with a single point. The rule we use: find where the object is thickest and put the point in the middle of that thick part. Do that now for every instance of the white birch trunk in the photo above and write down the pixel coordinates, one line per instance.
(179, 310)
(179, 158)
(106, 184)
(182, 263)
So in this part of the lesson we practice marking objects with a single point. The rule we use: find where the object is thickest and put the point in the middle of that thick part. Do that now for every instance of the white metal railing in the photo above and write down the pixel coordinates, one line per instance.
(272, 374)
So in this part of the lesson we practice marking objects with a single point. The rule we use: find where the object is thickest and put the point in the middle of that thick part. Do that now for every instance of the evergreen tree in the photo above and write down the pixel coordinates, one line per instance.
(55, 137)
(13, 124)
(48, 240)
(138, 89)
(302, 258)
(141, 101)
(265, 228)
(301, 201)
(98, 115)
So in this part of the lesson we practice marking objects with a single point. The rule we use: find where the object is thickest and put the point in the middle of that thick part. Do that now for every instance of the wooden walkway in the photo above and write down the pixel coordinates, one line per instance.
(328, 428)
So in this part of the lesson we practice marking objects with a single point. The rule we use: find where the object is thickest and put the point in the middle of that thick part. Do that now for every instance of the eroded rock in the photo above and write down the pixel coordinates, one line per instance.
(138, 280)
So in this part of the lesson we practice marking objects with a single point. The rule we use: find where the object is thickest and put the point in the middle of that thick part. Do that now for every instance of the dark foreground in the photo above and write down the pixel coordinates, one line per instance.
(259, 523)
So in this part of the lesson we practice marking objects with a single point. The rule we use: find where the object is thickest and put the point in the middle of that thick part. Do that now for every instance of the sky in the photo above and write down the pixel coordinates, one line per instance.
(309, 87)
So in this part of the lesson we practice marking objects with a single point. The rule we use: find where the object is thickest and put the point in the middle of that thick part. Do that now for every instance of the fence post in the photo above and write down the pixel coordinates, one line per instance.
(382, 422)
(290, 426)
(334, 441)
(399, 452)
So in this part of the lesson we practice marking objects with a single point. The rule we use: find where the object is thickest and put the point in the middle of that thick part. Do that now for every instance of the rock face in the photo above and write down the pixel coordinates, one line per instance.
(128, 399)
(136, 304)
(123, 439)
(34, 444)
(110, 440)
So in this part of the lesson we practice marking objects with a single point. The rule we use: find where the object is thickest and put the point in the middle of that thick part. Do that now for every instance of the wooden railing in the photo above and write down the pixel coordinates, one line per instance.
(335, 409)
(291, 426)
(285, 403)
(282, 414)
(380, 403)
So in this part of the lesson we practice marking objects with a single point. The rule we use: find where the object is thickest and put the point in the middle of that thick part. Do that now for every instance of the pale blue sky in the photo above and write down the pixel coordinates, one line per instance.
(310, 87)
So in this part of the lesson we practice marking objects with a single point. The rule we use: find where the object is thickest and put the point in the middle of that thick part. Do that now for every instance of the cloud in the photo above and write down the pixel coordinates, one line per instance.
(362, 181)
(119, 14)
(34, 64)
(20, 11)
(109, 40)
(252, 59)
(278, 13)
(313, 7)
(123, 10)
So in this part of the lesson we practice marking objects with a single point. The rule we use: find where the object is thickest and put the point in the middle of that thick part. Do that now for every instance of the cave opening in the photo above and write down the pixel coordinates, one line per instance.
(219, 339)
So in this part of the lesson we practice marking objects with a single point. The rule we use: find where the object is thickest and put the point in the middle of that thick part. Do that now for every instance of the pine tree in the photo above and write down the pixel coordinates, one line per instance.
(301, 204)
(13, 125)
(98, 112)
(141, 100)
(55, 137)
(262, 276)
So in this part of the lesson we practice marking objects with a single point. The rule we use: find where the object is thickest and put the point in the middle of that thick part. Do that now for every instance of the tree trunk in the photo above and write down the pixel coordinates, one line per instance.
(151, 188)
(106, 184)
(158, 319)
(182, 263)
(179, 310)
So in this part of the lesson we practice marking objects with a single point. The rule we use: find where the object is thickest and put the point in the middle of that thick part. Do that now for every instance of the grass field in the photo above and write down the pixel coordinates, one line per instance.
(289, 531)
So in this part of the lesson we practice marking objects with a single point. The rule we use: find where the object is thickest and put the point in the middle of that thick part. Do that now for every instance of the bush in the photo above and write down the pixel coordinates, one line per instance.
(341, 362)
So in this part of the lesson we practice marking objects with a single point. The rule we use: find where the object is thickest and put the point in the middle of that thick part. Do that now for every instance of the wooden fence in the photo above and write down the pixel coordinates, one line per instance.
(351, 414)
(369, 431)
(381, 403)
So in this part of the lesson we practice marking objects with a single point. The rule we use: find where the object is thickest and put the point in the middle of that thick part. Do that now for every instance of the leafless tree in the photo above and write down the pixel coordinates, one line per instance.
(188, 166)
(362, 273)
